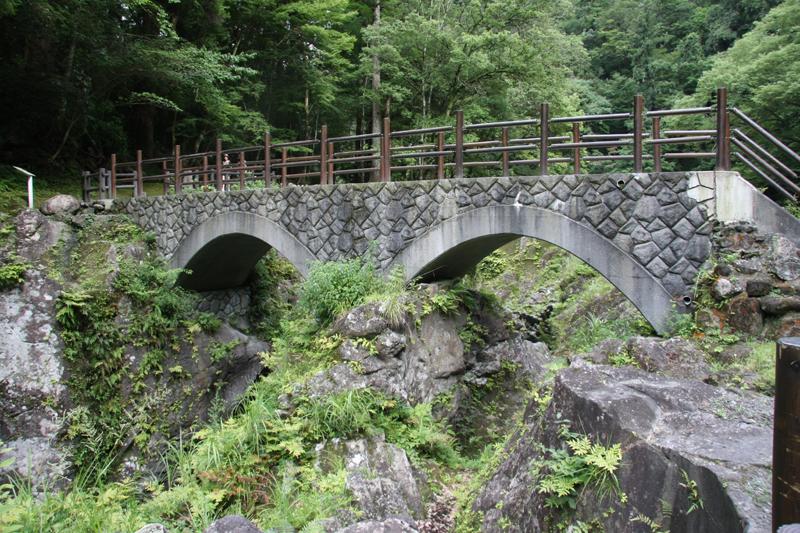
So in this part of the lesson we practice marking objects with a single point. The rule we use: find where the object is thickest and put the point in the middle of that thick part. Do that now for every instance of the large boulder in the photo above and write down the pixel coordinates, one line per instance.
(700, 452)
(61, 204)
(379, 476)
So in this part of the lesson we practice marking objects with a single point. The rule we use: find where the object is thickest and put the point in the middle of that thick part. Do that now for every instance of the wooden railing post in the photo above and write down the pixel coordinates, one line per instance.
(386, 152)
(656, 147)
(544, 132)
(113, 176)
(576, 152)
(267, 159)
(284, 157)
(205, 171)
(458, 172)
(323, 155)
(165, 179)
(723, 131)
(786, 434)
(638, 131)
(241, 170)
(178, 183)
(440, 159)
(330, 164)
(504, 140)
(139, 191)
(218, 165)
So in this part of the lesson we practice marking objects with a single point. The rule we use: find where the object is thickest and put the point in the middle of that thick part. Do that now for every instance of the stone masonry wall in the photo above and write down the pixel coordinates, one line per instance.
(652, 217)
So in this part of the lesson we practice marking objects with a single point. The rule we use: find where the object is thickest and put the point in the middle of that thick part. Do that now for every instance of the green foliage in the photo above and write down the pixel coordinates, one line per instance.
(270, 293)
(333, 287)
(583, 465)
(12, 274)
(692, 493)
(90, 315)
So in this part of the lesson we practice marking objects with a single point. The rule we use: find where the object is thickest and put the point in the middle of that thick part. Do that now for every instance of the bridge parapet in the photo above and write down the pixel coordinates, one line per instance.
(653, 218)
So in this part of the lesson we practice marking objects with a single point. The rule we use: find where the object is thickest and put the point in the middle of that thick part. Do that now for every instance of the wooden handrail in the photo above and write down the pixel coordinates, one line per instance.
(440, 147)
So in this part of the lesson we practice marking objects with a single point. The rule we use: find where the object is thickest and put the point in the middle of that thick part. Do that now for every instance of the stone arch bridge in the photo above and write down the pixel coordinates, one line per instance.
(648, 234)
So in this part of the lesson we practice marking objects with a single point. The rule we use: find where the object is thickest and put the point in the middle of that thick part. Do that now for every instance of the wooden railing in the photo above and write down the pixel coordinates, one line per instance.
(441, 152)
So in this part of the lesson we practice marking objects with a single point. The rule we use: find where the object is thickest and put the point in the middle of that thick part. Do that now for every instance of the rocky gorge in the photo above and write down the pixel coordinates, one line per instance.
(529, 396)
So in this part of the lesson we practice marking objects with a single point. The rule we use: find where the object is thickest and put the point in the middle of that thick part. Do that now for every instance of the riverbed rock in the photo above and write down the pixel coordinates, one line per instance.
(232, 524)
(61, 204)
(672, 433)
(391, 525)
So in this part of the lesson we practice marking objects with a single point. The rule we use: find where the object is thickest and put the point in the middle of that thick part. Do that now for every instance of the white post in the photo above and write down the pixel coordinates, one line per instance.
(30, 191)
(30, 176)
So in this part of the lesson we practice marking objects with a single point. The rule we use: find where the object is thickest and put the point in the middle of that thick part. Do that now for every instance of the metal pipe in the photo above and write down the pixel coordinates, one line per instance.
(764, 164)
(786, 434)
(766, 178)
(459, 154)
(544, 131)
(673, 112)
(591, 118)
(502, 124)
(739, 133)
(638, 128)
(723, 131)
(680, 140)
(770, 137)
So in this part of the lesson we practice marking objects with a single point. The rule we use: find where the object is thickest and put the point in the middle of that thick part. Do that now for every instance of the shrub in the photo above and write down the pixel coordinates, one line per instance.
(334, 287)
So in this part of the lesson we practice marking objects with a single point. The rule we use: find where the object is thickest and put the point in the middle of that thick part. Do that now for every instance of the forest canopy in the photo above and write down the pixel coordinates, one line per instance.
(84, 78)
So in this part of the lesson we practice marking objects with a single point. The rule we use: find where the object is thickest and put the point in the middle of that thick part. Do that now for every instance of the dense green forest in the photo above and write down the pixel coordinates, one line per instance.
(84, 78)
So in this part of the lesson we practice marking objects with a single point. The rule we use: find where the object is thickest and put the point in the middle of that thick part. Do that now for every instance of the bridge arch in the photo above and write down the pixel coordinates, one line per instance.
(221, 251)
(457, 244)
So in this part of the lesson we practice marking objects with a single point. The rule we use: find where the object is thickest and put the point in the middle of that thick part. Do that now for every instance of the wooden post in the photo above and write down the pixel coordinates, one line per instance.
(506, 158)
(386, 152)
(723, 131)
(241, 171)
(656, 147)
(786, 434)
(638, 131)
(165, 179)
(458, 172)
(113, 176)
(218, 165)
(323, 155)
(330, 164)
(544, 133)
(205, 171)
(139, 175)
(284, 157)
(178, 184)
(576, 152)
(440, 159)
(267, 159)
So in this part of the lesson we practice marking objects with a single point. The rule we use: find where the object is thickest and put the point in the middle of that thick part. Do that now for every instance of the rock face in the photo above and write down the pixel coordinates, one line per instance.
(379, 476)
(673, 434)
(417, 362)
(34, 397)
(61, 204)
(677, 357)
(756, 282)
